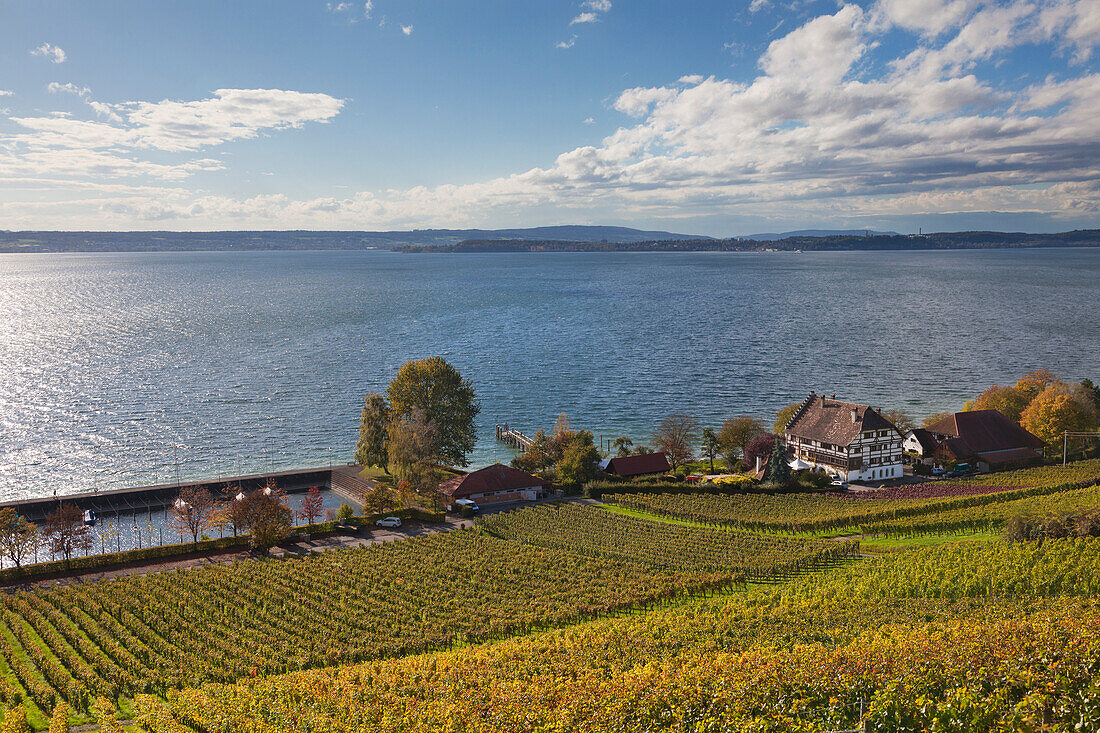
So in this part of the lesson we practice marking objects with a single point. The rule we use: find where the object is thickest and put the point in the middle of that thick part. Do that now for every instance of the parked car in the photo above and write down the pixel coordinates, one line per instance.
(937, 471)
(389, 522)
(838, 483)
(470, 504)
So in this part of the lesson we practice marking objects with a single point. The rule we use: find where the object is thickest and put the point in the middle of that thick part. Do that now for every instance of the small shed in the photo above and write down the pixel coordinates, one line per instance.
(644, 465)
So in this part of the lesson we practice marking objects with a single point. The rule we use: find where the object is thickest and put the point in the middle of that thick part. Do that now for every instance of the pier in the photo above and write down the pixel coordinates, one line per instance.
(514, 438)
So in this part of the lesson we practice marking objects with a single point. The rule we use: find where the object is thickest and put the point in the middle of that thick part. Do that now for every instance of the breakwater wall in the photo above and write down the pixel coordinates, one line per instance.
(343, 480)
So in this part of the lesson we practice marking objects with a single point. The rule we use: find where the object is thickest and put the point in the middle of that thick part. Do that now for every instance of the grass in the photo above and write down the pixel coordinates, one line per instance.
(901, 544)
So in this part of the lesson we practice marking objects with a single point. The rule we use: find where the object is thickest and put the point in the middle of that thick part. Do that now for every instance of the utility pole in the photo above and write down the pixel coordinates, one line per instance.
(1065, 446)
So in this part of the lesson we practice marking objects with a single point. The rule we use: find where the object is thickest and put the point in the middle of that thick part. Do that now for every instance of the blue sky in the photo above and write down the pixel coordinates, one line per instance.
(702, 117)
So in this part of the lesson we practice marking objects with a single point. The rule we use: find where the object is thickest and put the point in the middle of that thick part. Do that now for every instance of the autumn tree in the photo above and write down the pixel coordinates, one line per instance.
(735, 434)
(1032, 383)
(900, 419)
(371, 448)
(1009, 401)
(783, 417)
(579, 459)
(192, 510)
(66, 532)
(18, 537)
(675, 436)
(538, 456)
(447, 402)
(265, 517)
(641, 449)
(622, 446)
(312, 506)
(1055, 410)
(711, 446)
(760, 446)
(414, 461)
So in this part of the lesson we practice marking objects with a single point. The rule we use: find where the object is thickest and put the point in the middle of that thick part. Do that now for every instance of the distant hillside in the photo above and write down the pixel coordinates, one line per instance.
(942, 240)
(308, 240)
(772, 236)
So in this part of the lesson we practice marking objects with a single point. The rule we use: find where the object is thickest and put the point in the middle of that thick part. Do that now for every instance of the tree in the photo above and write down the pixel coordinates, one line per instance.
(312, 505)
(641, 450)
(622, 446)
(1032, 383)
(761, 446)
(779, 470)
(579, 460)
(1008, 401)
(66, 532)
(784, 416)
(900, 419)
(711, 446)
(371, 448)
(1093, 391)
(18, 537)
(1053, 411)
(266, 518)
(345, 512)
(414, 460)
(934, 418)
(736, 434)
(377, 500)
(446, 399)
(675, 436)
(192, 510)
(539, 455)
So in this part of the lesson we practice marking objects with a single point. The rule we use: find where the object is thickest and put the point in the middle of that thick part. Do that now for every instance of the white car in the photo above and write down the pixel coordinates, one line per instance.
(389, 522)
(470, 504)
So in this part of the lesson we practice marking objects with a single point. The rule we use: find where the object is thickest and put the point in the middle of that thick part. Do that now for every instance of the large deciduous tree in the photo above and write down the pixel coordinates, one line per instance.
(760, 446)
(579, 459)
(675, 436)
(413, 449)
(371, 448)
(18, 537)
(622, 446)
(735, 435)
(1032, 383)
(66, 532)
(900, 419)
(1008, 401)
(446, 399)
(266, 518)
(711, 446)
(1056, 409)
(312, 506)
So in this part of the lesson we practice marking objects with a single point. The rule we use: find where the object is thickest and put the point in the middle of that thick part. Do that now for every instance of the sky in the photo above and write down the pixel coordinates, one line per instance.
(717, 118)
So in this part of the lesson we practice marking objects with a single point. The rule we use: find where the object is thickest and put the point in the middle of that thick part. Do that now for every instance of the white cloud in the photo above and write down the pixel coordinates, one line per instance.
(567, 44)
(589, 120)
(68, 88)
(407, 30)
(691, 79)
(584, 18)
(50, 51)
(61, 145)
(592, 11)
(931, 17)
(758, 5)
(6, 93)
(368, 8)
(339, 7)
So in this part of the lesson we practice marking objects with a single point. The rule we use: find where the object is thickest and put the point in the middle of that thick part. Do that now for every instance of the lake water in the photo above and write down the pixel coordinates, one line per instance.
(127, 369)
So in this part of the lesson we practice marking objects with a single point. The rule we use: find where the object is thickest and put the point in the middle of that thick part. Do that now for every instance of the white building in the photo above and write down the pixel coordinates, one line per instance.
(850, 441)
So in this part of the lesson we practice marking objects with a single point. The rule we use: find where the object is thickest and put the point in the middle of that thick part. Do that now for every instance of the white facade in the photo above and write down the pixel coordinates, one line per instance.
(912, 444)
(875, 455)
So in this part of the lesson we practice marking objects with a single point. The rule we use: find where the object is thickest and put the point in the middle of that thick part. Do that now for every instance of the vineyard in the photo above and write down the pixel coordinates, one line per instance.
(987, 517)
(601, 533)
(149, 634)
(770, 660)
(997, 569)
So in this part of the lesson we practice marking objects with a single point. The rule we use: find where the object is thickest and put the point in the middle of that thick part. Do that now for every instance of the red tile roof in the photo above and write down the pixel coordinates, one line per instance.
(497, 477)
(985, 431)
(638, 465)
(831, 421)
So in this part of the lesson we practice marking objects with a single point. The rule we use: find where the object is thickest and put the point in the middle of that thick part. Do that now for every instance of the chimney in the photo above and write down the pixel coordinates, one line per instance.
(855, 415)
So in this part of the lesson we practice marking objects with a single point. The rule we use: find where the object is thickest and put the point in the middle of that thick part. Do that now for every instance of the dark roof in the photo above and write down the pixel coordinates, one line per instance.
(830, 420)
(926, 439)
(638, 465)
(496, 477)
(1012, 455)
(985, 431)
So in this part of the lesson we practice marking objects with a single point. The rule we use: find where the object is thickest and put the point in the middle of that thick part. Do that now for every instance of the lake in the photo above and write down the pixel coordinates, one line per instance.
(127, 369)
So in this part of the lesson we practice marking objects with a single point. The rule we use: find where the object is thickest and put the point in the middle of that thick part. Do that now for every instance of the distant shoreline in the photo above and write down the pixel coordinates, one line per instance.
(538, 239)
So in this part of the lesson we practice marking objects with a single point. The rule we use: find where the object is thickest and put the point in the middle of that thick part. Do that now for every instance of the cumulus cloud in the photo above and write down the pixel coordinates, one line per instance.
(51, 52)
(587, 17)
(6, 93)
(368, 8)
(407, 30)
(59, 144)
(819, 130)
(567, 44)
(591, 11)
(68, 88)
